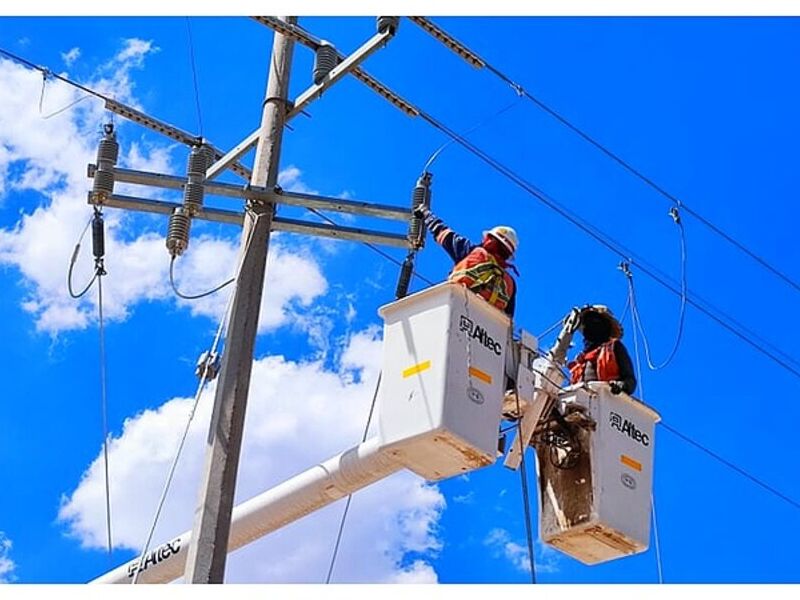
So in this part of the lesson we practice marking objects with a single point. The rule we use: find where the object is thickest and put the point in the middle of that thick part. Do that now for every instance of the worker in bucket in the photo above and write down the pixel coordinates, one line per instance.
(482, 268)
(604, 357)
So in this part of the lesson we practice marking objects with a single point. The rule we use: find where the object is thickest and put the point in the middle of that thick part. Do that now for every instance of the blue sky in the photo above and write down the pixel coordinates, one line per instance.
(705, 107)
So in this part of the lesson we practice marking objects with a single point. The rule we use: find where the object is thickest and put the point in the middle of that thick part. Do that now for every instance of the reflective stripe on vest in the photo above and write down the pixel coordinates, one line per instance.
(604, 359)
(480, 272)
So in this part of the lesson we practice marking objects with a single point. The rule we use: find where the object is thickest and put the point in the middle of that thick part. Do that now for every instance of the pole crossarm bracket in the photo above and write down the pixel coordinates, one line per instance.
(172, 132)
(262, 194)
(301, 35)
(347, 65)
(232, 217)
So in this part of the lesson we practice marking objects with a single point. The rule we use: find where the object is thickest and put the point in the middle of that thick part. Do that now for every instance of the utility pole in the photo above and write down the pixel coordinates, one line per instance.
(205, 562)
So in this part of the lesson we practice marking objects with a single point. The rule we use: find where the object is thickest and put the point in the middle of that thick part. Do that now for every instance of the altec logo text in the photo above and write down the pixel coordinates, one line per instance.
(156, 556)
(479, 333)
(627, 427)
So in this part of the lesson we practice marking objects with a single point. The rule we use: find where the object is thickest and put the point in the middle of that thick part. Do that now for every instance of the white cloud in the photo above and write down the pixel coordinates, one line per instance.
(49, 159)
(299, 413)
(516, 552)
(70, 57)
(134, 51)
(7, 566)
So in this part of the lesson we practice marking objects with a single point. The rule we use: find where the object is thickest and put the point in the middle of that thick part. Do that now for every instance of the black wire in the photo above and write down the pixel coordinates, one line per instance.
(350, 496)
(72, 266)
(104, 405)
(732, 466)
(525, 498)
(194, 75)
(628, 167)
(604, 239)
(373, 247)
(50, 73)
(637, 319)
(196, 296)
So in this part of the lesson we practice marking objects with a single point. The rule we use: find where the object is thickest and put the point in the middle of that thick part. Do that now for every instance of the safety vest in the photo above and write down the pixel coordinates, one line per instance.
(480, 272)
(604, 359)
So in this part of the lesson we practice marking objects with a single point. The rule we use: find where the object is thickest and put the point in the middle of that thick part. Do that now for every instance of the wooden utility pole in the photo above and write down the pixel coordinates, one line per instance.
(205, 562)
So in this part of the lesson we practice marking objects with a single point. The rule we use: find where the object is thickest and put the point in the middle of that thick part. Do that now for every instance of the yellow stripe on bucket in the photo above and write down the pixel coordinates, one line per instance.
(418, 368)
(478, 374)
(629, 462)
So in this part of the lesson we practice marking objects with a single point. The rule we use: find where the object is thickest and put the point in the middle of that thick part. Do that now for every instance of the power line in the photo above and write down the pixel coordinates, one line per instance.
(607, 241)
(471, 57)
(350, 496)
(194, 77)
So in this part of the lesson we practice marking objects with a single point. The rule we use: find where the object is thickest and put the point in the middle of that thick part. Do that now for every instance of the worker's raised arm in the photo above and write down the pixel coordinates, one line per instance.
(457, 246)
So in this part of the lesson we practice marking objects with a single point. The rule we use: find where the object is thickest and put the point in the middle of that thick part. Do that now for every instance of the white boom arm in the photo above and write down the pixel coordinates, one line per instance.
(311, 490)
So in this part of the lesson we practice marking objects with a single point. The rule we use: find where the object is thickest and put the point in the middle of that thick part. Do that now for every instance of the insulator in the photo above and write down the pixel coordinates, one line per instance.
(107, 154)
(98, 236)
(199, 158)
(421, 196)
(193, 197)
(389, 23)
(404, 280)
(325, 59)
(193, 191)
(178, 234)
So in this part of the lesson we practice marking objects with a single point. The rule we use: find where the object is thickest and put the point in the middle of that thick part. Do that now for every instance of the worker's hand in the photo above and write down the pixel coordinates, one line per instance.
(616, 387)
(421, 211)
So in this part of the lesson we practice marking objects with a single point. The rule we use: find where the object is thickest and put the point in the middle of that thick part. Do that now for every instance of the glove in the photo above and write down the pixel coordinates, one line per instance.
(421, 211)
(616, 387)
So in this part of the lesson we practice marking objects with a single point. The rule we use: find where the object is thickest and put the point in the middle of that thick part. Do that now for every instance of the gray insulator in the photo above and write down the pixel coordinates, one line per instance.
(325, 59)
(389, 23)
(421, 196)
(108, 149)
(193, 197)
(199, 158)
(405, 277)
(98, 237)
(107, 154)
(103, 185)
(178, 234)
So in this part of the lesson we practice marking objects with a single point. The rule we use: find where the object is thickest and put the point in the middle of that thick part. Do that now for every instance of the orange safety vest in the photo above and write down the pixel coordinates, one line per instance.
(604, 359)
(480, 272)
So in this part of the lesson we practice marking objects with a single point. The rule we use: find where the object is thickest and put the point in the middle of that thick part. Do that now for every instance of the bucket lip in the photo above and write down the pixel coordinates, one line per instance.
(447, 289)
(598, 386)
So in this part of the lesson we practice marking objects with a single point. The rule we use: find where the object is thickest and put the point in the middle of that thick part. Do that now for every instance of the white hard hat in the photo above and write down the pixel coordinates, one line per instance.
(506, 236)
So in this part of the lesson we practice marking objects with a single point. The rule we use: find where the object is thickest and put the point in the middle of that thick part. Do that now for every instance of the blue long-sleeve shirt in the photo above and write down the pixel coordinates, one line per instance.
(457, 247)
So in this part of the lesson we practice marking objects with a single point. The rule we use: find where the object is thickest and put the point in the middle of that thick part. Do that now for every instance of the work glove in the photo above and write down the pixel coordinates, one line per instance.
(616, 387)
(421, 211)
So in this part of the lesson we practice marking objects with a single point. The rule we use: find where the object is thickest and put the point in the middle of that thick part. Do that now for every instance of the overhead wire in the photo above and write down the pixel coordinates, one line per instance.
(610, 243)
(71, 267)
(194, 77)
(525, 495)
(616, 158)
(193, 296)
(340, 532)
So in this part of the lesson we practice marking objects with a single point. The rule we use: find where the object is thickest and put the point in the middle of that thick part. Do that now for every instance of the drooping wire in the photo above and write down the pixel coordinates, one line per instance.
(194, 76)
(104, 405)
(72, 265)
(628, 167)
(193, 296)
(636, 317)
(615, 247)
(472, 129)
(98, 248)
(200, 386)
(350, 496)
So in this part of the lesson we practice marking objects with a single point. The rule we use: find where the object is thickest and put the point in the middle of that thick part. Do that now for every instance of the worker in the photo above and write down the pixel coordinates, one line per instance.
(604, 357)
(481, 268)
